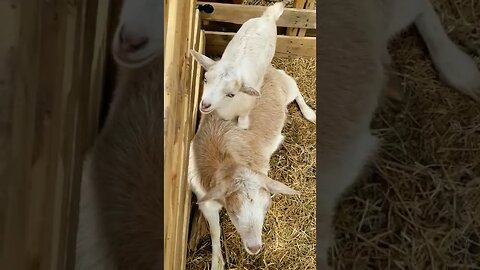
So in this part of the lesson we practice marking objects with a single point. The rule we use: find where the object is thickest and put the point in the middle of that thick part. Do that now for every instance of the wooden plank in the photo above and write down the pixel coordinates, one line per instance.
(239, 2)
(290, 47)
(198, 45)
(238, 14)
(9, 31)
(300, 4)
(195, 41)
(58, 48)
(177, 126)
(198, 85)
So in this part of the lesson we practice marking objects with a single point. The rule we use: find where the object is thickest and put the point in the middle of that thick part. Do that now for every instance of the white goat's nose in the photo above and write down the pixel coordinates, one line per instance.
(131, 42)
(205, 105)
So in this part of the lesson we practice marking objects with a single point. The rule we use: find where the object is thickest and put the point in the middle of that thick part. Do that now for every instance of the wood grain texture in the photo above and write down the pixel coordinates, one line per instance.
(180, 97)
(287, 46)
(55, 108)
(300, 4)
(238, 14)
(9, 30)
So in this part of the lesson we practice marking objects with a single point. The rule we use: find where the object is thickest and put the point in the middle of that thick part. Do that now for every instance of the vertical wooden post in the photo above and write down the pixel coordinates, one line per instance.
(300, 4)
(181, 35)
(57, 85)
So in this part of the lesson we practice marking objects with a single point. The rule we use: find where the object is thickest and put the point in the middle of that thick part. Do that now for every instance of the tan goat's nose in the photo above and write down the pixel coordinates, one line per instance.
(254, 249)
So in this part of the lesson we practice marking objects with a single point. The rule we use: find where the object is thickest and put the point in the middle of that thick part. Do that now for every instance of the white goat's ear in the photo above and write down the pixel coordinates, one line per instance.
(217, 193)
(277, 187)
(203, 60)
(250, 91)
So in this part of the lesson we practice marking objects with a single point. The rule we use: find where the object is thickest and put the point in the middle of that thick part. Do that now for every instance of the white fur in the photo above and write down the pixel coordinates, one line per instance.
(350, 144)
(92, 251)
(245, 147)
(242, 66)
(211, 212)
(138, 19)
(454, 66)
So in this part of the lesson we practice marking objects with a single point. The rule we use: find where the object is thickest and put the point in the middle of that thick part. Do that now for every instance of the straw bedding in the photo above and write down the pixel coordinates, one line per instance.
(289, 231)
(418, 204)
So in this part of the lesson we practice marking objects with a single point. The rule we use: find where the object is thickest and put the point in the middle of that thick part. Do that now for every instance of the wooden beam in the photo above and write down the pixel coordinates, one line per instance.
(238, 14)
(199, 46)
(177, 129)
(300, 4)
(9, 31)
(239, 2)
(58, 82)
(289, 47)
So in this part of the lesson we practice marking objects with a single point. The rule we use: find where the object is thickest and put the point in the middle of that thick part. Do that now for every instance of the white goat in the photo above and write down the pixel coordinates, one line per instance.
(229, 166)
(352, 46)
(233, 83)
(121, 199)
(139, 36)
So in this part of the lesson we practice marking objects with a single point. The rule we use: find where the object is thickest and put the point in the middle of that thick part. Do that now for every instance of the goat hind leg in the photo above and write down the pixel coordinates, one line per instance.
(294, 93)
(455, 66)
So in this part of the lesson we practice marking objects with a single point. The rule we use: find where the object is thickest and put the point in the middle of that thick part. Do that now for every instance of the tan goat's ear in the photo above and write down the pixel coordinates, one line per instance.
(275, 187)
(203, 60)
(250, 91)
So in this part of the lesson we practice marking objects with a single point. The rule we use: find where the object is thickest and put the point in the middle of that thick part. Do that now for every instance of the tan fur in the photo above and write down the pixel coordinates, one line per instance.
(220, 146)
(125, 179)
(228, 165)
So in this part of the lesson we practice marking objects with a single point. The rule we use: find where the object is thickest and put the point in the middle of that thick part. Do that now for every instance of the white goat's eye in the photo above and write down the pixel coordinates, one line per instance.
(230, 95)
(205, 80)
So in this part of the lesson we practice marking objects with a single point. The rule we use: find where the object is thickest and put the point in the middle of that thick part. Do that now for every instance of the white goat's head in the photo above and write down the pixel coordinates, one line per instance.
(247, 200)
(139, 34)
(221, 84)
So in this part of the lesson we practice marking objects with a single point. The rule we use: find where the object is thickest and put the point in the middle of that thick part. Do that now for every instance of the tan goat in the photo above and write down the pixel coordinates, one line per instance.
(228, 165)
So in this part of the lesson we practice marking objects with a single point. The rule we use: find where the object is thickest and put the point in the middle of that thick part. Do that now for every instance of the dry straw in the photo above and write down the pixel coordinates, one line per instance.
(289, 232)
(418, 204)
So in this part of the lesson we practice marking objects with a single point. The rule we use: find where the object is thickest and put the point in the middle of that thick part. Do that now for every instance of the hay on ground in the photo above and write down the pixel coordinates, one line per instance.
(418, 205)
(289, 231)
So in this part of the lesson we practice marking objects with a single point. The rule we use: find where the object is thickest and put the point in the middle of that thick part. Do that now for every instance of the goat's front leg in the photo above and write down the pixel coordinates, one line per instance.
(243, 121)
(211, 211)
(325, 238)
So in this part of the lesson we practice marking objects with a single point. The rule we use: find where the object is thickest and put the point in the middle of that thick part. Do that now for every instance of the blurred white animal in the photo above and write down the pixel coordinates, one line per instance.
(351, 54)
(233, 83)
(138, 37)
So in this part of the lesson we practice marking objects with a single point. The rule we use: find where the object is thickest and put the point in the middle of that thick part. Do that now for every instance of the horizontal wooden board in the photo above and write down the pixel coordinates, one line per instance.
(238, 14)
(287, 46)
